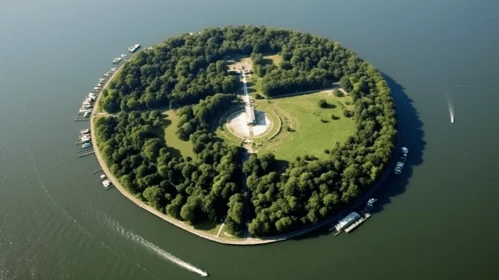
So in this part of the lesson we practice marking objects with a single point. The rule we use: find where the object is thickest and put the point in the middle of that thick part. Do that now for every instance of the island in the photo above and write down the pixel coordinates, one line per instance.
(245, 134)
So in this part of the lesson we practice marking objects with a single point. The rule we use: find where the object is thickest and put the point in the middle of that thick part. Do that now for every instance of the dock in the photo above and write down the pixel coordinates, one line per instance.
(357, 223)
(95, 171)
(81, 119)
(86, 154)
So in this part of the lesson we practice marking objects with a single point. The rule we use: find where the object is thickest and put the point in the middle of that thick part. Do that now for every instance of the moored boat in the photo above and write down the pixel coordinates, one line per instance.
(134, 48)
(86, 145)
(399, 166)
(84, 131)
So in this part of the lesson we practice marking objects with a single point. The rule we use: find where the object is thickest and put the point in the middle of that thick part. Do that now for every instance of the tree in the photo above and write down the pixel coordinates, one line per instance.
(155, 196)
(346, 83)
(151, 149)
(323, 103)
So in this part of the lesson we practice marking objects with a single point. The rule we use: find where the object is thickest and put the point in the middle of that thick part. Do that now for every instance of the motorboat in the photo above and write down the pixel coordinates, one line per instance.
(86, 145)
(84, 131)
(399, 166)
(134, 48)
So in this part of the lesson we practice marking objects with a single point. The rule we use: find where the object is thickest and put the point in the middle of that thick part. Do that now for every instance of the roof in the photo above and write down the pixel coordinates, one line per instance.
(350, 218)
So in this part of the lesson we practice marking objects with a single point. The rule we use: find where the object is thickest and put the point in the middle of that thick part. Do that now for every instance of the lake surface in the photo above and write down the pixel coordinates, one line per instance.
(436, 221)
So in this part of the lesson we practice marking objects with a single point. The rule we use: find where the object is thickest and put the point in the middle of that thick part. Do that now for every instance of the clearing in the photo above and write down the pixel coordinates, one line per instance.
(176, 146)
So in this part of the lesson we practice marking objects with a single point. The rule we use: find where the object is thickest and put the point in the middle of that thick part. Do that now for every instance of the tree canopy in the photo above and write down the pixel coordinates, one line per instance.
(189, 73)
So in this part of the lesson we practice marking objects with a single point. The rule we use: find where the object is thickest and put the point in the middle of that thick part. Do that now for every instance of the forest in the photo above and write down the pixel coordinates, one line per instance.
(189, 74)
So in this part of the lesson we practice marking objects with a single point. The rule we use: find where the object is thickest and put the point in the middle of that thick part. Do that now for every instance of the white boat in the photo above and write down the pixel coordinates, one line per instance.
(84, 131)
(101, 80)
(106, 74)
(370, 203)
(117, 60)
(103, 176)
(399, 166)
(86, 145)
(86, 114)
(97, 88)
(123, 55)
(106, 183)
(134, 48)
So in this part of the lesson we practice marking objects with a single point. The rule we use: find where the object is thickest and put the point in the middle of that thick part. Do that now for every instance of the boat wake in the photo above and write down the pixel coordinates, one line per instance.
(51, 198)
(448, 98)
(155, 249)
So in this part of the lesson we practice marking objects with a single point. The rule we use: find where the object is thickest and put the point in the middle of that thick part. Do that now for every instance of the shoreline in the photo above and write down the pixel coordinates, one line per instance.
(246, 241)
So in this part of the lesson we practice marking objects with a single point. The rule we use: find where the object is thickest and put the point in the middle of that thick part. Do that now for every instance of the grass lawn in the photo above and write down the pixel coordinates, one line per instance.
(314, 129)
(276, 58)
(208, 227)
(176, 145)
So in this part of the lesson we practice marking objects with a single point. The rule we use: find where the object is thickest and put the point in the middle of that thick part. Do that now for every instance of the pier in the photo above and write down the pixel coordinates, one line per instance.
(86, 154)
(81, 119)
(357, 223)
(95, 171)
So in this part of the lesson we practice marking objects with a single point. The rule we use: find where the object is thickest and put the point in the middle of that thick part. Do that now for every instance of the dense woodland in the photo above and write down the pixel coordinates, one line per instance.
(189, 73)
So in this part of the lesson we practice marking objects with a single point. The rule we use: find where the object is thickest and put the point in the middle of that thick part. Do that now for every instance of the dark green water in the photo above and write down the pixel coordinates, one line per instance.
(437, 221)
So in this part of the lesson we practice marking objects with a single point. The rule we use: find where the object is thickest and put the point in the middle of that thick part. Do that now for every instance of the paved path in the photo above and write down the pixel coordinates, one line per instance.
(220, 230)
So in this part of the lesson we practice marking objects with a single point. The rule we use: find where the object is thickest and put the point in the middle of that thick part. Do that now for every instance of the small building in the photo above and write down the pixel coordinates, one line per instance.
(250, 114)
(347, 220)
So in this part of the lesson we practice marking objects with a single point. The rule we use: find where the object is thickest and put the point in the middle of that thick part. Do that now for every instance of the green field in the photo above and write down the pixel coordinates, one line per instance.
(176, 145)
(276, 58)
(312, 128)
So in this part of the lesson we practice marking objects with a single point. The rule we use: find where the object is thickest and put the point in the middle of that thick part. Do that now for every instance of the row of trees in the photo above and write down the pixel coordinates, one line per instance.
(187, 72)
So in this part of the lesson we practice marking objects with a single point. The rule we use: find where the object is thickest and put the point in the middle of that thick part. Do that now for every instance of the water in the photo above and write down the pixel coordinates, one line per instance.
(436, 221)
(160, 252)
(450, 105)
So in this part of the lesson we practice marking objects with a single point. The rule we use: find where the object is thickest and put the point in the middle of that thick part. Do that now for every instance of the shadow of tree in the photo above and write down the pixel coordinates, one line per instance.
(411, 135)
